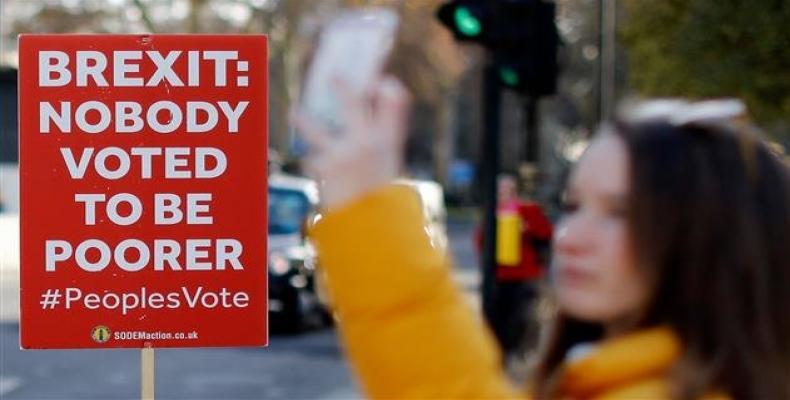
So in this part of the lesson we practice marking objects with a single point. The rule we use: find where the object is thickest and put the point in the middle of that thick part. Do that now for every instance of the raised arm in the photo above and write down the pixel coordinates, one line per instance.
(408, 332)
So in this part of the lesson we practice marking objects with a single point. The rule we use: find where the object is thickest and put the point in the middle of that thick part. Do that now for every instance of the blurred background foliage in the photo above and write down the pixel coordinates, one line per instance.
(709, 48)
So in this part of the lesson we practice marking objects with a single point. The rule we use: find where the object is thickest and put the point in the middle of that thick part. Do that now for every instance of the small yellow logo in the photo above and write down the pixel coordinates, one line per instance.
(100, 334)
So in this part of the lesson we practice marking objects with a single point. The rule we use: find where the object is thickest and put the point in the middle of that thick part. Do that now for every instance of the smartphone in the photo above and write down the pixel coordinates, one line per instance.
(353, 47)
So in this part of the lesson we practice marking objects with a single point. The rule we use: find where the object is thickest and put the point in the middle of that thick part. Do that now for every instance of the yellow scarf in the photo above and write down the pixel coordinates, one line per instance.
(631, 366)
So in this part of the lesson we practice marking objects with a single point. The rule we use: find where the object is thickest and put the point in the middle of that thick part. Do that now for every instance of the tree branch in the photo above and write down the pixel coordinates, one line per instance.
(149, 24)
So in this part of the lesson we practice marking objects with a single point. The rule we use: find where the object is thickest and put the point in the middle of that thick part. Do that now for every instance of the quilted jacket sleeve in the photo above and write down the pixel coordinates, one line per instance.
(407, 330)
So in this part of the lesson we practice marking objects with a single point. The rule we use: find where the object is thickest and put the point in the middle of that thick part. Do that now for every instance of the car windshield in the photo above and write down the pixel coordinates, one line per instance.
(287, 211)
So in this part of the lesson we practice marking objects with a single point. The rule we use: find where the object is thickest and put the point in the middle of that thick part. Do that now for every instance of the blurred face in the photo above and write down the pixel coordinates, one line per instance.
(596, 279)
(506, 188)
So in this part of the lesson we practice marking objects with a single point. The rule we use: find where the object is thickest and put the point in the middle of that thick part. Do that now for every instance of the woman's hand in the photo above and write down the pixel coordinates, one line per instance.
(368, 153)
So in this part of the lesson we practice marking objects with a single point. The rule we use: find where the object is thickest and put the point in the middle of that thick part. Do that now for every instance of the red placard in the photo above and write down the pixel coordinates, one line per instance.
(143, 190)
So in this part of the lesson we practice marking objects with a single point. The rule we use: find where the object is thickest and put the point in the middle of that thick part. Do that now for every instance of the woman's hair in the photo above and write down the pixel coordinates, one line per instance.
(709, 220)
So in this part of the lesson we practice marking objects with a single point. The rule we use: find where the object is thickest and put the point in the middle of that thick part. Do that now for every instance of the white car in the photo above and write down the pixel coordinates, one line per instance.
(9, 242)
(432, 198)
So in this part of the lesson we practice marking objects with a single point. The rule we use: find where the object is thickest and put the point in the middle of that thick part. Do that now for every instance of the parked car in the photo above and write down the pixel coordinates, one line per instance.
(293, 303)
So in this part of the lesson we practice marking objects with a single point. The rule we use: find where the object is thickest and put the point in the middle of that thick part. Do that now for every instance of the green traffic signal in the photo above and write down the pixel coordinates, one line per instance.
(466, 22)
(509, 76)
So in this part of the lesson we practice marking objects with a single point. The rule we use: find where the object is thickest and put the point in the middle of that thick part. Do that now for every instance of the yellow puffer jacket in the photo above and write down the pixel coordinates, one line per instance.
(410, 335)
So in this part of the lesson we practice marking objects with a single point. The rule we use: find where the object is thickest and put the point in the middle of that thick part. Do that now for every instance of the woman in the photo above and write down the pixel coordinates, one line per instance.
(671, 279)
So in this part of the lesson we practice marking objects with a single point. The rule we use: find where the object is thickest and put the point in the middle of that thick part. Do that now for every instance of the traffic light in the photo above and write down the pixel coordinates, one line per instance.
(527, 56)
(520, 34)
(468, 20)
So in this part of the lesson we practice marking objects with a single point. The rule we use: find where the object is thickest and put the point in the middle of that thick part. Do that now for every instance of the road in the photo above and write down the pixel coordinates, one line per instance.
(306, 366)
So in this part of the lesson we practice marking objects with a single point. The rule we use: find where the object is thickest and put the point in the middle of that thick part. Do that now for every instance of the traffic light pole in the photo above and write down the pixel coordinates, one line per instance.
(532, 142)
(521, 39)
(489, 172)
